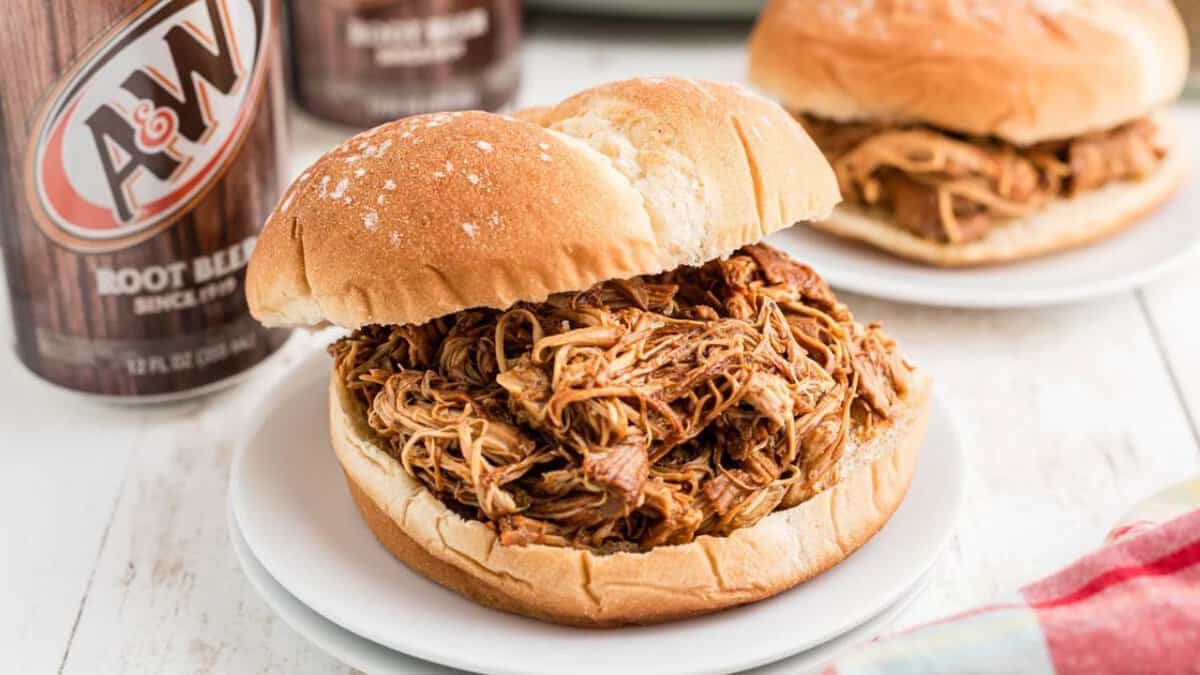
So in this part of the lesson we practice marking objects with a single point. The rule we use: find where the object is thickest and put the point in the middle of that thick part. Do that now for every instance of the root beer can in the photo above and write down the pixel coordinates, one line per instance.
(143, 142)
(365, 62)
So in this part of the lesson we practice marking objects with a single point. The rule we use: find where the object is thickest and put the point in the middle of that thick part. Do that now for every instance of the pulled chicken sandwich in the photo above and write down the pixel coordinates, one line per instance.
(972, 133)
(575, 385)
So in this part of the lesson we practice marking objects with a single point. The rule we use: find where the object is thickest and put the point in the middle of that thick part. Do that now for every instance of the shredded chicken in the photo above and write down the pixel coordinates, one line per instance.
(636, 413)
(951, 188)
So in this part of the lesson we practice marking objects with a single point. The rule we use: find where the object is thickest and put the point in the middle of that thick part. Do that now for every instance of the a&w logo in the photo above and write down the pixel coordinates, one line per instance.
(148, 120)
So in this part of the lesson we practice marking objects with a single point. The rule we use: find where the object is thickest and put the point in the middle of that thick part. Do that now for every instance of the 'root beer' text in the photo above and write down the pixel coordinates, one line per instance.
(173, 286)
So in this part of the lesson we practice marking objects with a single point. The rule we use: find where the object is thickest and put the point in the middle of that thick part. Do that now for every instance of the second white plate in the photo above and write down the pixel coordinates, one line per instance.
(290, 502)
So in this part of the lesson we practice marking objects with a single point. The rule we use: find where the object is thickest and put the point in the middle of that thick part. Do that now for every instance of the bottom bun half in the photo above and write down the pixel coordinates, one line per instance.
(1063, 224)
(577, 587)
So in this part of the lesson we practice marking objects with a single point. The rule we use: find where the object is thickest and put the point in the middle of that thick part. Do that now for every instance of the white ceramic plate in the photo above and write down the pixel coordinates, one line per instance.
(683, 9)
(369, 657)
(1130, 259)
(290, 501)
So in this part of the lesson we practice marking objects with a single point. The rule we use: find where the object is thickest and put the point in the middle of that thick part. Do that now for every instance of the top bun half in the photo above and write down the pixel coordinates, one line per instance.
(434, 214)
(1021, 70)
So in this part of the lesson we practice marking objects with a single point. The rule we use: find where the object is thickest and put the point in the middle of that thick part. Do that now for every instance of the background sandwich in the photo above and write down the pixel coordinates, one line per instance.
(979, 132)
(577, 388)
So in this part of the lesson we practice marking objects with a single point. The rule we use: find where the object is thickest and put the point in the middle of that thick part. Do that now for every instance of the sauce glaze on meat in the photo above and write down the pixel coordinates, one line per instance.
(634, 414)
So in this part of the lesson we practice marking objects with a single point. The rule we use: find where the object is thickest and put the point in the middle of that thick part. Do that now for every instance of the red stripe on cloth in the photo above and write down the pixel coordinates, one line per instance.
(1137, 548)
(1168, 564)
(1144, 625)
(1131, 607)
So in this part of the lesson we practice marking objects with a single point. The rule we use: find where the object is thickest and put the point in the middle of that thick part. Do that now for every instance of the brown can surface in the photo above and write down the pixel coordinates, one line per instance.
(143, 141)
(365, 62)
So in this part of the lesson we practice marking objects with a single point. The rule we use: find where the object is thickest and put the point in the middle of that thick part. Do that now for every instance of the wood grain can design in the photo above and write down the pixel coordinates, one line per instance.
(365, 62)
(144, 142)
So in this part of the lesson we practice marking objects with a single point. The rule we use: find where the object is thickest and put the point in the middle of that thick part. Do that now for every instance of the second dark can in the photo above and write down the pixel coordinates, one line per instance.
(365, 62)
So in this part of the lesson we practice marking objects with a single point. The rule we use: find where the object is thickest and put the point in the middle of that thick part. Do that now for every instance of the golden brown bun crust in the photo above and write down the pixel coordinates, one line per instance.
(1023, 70)
(1063, 224)
(433, 214)
(577, 587)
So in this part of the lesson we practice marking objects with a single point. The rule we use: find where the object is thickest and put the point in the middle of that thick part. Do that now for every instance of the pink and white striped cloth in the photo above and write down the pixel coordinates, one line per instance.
(1131, 607)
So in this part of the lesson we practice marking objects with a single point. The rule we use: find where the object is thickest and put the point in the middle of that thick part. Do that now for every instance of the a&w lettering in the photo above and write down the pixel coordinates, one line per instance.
(158, 108)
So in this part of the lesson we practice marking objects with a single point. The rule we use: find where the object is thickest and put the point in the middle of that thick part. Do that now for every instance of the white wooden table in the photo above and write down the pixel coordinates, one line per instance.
(114, 554)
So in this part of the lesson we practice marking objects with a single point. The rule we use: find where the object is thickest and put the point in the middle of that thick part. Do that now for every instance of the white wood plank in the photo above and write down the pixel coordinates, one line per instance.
(1070, 419)
(167, 594)
(58, 491)
(1173, 304)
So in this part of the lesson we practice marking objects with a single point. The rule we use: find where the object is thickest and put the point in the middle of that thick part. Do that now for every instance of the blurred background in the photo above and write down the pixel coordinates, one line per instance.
(351, 68)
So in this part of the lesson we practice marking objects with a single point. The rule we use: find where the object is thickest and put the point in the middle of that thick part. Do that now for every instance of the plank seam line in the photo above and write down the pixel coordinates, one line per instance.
(87, 589)
(1161, 347)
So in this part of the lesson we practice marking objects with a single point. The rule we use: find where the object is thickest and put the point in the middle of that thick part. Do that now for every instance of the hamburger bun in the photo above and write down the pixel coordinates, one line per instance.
(578, 587)
(1062, 224)
(434, 214)
(1021, 70)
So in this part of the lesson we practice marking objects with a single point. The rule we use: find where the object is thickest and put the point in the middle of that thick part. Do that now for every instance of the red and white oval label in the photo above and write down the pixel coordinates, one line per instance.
(147, 121)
